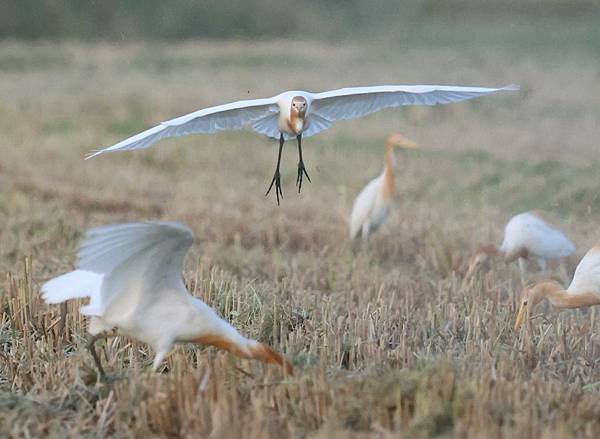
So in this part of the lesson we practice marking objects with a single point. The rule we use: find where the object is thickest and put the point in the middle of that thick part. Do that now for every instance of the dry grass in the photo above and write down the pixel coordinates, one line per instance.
(386, 341)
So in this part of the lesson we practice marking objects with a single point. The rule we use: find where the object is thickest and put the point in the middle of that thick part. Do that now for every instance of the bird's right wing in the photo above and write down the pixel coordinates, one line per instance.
(230, 116)
(148, 253)
(587, 273)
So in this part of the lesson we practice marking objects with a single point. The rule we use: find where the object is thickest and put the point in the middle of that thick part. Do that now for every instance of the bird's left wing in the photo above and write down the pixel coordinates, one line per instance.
(150, 253)
(349, 103)
(230, 116)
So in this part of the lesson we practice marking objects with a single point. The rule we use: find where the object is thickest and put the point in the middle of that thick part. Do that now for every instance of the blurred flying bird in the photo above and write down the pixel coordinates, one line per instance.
(372, 205)
(526, 236)
(299, 114)
(132, 276)
(583, 291)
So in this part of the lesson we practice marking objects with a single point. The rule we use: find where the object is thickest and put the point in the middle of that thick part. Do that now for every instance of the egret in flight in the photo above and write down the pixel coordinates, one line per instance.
(526, 236)
(583, 291)
(372, 205)
(132, 275)
(299, 114)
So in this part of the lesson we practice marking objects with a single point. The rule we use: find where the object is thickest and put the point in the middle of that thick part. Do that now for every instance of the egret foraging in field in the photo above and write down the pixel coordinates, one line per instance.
(372, 205)
(132, 275)
(583, 291)
(526, 236)
(299, 114)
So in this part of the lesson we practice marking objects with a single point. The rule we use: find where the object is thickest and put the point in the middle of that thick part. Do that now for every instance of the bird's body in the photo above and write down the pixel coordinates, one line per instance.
(371, 207)
(299, 114)
(132, 275)
(529, 235)
(526, 236)
(583, 291)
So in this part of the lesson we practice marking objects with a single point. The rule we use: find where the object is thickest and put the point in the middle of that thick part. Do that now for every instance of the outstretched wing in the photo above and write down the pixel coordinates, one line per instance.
(135, 258)
(231, 116)
(350, 103)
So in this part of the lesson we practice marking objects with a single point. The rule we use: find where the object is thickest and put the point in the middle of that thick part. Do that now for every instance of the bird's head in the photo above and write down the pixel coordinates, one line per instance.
(480, 261)
(246, 348)
(264, 353)
(299, 105)
(532, 295)
(399, 141)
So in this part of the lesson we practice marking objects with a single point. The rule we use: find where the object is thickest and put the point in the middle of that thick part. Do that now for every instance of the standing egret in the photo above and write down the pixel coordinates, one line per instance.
(372, 205)
(527, 235)
(299, 113)
(583, 291)
(132, 275)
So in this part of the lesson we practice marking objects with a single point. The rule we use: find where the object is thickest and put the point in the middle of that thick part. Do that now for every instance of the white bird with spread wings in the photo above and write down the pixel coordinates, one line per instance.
(299, 114)
(132, 275)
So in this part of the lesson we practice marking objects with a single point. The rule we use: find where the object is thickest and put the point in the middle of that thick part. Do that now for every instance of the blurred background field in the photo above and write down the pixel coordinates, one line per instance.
(386, 341)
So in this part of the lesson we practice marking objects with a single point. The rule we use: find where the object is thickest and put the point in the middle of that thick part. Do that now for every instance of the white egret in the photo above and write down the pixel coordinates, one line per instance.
(371, 207)
(584, 289)
(526, 236)
(299, 114)
(132, 276)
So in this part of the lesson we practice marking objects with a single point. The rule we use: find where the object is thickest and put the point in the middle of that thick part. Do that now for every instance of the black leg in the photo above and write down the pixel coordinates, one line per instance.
(91, 347)
(276, 177)
(301, 168)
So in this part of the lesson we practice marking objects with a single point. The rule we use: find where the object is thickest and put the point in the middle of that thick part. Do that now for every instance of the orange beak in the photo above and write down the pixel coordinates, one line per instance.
(471, 270)
(410, 144)
(265, 354)
(257, 351)
(521, 316)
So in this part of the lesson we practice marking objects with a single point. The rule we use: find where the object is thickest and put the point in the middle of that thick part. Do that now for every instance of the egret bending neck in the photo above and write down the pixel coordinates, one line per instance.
(563, 299)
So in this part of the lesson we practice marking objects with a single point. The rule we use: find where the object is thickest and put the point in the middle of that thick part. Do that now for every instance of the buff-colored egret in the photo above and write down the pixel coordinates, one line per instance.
(526, 236)
(132, 274)
(371, 207)
(299, 114)
(584, 289)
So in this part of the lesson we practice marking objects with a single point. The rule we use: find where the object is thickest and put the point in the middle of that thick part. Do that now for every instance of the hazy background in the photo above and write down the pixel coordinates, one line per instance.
(385, 340)
(334, 20)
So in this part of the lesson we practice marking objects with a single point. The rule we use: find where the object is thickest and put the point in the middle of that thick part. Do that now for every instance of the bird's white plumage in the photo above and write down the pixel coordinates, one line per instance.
(369, 210)
(132, 274)
(265, 115)
(349, 103)
(231, 116)
(541, 240)
(587, 274)
(72, 285)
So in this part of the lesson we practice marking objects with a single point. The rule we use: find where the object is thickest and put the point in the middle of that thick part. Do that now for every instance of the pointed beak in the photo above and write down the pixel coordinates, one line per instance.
(407, 143)
(411, 144)
(265, 354)
(471, 271)
(520, 316)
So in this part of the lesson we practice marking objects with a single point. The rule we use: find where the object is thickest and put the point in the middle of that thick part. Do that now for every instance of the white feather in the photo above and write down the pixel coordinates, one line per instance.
(369, 210)
(266, 116)
(587, 274)
(540, 239)
(349, 103)
(72, 285)
(132, 274)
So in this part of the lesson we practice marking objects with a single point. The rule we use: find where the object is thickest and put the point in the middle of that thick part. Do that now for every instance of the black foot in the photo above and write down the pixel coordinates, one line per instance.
(277, 181)
(301, 172)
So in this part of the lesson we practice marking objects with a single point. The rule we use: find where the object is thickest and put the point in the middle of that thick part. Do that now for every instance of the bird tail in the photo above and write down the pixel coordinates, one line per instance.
(72, 285)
